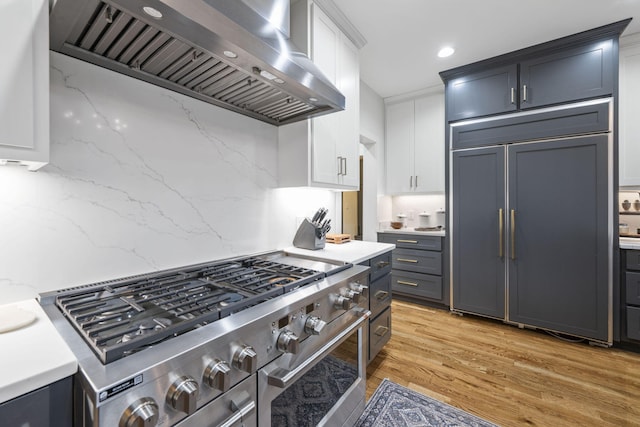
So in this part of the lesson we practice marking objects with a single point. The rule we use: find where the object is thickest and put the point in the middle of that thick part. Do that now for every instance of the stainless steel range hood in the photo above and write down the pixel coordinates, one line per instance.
(225, 52)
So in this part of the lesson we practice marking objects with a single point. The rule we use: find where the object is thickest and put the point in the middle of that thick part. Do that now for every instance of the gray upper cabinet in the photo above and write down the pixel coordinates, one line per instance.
(482, 94)
(581, 72)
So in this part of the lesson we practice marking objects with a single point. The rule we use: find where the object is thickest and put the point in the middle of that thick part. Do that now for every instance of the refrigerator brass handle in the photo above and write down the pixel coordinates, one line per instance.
(406, 241)
(414, 261)
(524, 93)
(381, 331)
(513, 234)
(500, 233)
(513, 95)
(402, 282)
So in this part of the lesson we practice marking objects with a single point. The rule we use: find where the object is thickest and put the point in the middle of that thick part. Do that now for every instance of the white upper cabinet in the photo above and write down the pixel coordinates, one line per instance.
(323, 151)
(629, 125)
(415, 144)
(24, 82)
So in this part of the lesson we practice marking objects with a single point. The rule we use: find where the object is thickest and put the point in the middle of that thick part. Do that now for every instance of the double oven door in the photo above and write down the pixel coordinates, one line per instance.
(324, 384)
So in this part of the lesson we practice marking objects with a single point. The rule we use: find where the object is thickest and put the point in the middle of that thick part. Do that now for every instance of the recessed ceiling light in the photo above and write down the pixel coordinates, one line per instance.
(154, 13)
(445, 51)
(230, 54)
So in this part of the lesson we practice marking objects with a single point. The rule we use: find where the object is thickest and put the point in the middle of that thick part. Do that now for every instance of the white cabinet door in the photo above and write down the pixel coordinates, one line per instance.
(399, 143)
(429, 150)
(24, 82)
(347, 146)
(629, 101)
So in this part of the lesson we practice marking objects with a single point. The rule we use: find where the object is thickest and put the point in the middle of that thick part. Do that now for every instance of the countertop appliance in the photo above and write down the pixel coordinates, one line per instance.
(233, 54)
(180, 346)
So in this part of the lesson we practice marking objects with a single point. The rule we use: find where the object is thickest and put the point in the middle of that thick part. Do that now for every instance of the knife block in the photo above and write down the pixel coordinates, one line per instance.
(309, 236)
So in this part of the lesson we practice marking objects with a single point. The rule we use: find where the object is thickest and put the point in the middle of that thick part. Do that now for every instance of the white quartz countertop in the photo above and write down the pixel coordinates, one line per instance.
(410, 230)
(354, 251)
(32, 356)
(629, 243)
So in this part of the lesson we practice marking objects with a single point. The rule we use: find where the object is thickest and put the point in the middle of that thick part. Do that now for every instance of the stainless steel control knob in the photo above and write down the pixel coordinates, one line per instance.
(288, 342)
(141, 413)
(218, 375)
(314, 325)
(341, 302)
(246, 359)
(361, 289)
(352, 295)
(183, 395)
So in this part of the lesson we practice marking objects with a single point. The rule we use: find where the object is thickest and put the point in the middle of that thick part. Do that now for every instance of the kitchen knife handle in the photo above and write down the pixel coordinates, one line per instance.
(500, 233)
(513, 234)
(524, 93)
(513, 95)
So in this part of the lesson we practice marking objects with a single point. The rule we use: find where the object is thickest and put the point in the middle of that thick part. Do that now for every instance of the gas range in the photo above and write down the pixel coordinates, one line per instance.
(154, 349)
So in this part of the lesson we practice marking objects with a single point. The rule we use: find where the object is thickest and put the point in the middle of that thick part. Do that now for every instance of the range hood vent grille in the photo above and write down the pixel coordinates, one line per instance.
(119, 41)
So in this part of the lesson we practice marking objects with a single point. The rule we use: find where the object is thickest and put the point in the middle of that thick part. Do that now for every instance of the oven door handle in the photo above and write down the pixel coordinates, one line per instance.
(282, 378)
(240, 412)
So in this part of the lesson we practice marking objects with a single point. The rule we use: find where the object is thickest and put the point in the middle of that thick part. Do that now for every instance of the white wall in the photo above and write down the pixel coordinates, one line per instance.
(372, 151)
(140, 179)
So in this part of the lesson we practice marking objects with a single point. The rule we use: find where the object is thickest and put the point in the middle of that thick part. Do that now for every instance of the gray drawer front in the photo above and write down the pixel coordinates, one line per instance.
(379, 332)
(633, 287)
(379, 294)
(380, 266)
(633, 322)
(633, 260)
(586, 119)
(418, 261)
(412, 241)
(422, 285)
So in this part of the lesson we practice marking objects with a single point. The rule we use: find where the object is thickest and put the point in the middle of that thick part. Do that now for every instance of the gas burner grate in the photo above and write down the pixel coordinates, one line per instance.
(118, 318)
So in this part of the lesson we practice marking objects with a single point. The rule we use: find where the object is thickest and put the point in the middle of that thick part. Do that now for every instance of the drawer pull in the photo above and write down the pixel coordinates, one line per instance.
(402, 282)
(381, 331)
(382, 264)
(380, 295)
(414, 261)
(406, 241)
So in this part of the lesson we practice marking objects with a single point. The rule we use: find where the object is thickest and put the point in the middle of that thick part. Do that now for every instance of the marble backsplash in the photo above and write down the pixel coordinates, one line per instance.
(140, 179)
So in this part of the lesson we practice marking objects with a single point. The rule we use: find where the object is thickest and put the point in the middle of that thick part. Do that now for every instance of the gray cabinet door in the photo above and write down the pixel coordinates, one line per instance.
(580, 73)
(481, 94)
(558, 265)
(478, 251)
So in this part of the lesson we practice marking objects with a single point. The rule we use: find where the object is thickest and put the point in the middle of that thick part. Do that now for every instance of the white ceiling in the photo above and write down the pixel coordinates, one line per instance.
(404, 36)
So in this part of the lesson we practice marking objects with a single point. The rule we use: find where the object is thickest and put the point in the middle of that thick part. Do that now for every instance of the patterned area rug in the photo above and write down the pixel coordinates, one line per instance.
(395, 406)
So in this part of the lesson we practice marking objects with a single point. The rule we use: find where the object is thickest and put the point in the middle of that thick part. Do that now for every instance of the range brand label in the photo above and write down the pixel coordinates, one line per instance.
(119, 388)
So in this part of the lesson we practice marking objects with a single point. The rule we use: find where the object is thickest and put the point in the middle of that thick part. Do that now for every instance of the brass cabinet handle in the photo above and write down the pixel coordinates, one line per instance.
(381, 331)
(402, 282)
(406, 241)
(513, 234)
(414, 261)
(381, 295)
(500, 233)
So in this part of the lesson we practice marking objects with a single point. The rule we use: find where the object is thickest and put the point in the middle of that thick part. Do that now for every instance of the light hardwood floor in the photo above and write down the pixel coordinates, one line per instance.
(509, 376)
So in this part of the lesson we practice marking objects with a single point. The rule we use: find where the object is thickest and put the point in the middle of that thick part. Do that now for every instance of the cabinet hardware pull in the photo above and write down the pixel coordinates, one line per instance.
(416, 181)
(513, 95)
(381, 331)
(513, 234)
(407, 260)
(402, 282)
(381, 295)
(411, 181)
(524, 93)
(339, 165)
(406, 241)
(345, 166)
(382, 264)
(500, 233)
